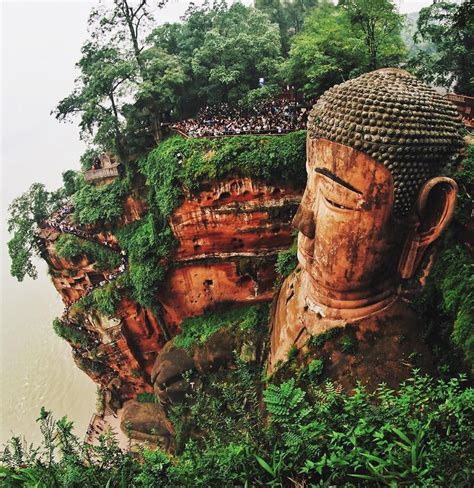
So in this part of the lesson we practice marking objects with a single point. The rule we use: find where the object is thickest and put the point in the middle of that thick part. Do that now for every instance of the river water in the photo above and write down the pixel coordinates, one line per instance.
(40, 45)
(36, 366)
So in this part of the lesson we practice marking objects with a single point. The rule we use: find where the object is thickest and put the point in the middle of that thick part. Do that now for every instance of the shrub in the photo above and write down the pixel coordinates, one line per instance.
(104, 299)
(146, 247)
(270, 158)
(71, 334)
(71, 247)
(418, 436)
(287, 260)
(100, 204)
(198, 330)
(147, 398)
(347, 344)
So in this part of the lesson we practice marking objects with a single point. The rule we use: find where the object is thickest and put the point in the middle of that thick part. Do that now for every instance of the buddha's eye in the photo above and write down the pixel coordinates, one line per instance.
(336, 205)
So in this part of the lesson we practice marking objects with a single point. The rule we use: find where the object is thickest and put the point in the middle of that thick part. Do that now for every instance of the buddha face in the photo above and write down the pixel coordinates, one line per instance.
(348, 241)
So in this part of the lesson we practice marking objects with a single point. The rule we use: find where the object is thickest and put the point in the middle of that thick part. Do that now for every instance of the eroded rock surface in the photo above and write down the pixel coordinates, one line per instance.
(229, 234)
(147, 422)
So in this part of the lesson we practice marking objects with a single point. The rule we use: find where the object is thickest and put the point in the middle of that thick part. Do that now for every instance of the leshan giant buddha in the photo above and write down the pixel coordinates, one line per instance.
(375, 199)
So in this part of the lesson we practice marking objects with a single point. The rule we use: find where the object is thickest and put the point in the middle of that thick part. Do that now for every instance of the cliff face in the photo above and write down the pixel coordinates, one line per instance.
(229, 234)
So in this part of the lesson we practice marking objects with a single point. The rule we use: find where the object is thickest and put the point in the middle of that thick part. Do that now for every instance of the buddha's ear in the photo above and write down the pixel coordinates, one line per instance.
(433, 212)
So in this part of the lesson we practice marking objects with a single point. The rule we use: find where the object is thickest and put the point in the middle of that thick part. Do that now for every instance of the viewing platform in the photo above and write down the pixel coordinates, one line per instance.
(105, 167)
(102, 173)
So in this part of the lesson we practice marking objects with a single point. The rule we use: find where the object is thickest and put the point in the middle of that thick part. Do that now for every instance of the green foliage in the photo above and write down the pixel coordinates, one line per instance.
(340, 42)
(26, 214)
(326, 52)
(71, 333)
(347, 344)
(464, 177)
(71, 247)
(286, 403)
(379, 24)
(99, 95)
(223, 50)
(270, 158)
(292, 353)
(99, 401)
(104, 300)
(146, 247)
(320, 339)
(71, 182)
(447, 298)
(287, 260)
(88, 158)
(100, 204)
(449, 27)
(445, 306)
(386, 437)
(418, 436)
(289, 15)
(198, 330)
(147, 398)
(313, 371)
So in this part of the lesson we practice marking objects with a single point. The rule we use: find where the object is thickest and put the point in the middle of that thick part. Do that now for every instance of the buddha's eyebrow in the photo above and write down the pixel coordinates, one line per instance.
(332, 176)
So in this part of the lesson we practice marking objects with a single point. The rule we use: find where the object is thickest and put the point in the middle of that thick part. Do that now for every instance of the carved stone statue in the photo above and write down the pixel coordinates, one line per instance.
(375, 199)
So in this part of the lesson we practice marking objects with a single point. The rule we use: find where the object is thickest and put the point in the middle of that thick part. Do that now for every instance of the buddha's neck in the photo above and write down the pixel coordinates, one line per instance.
(347, 305)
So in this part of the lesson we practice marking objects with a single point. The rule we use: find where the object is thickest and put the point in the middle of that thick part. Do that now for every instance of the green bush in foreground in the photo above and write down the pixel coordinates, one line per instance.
(420, 436)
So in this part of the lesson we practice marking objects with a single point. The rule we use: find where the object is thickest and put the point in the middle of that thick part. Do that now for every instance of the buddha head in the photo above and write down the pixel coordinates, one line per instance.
(376, 197)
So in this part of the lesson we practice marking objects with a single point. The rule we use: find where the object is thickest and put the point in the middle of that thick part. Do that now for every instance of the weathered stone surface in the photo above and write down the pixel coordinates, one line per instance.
(361, 233)
(147, 422)
(172, 363)
(229, 234)
(168, 371)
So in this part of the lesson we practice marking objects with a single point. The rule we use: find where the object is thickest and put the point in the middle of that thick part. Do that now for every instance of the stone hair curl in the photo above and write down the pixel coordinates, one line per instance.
(396, 119)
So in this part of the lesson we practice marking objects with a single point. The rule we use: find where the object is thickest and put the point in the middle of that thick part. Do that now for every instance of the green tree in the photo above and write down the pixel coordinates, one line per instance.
(241, 46)
(381, 27)
(326, 52)
(288, 15)
(113, 69)
(450, 27)
(156, 96)
(223, 51)
(99, 96)
(27, 212)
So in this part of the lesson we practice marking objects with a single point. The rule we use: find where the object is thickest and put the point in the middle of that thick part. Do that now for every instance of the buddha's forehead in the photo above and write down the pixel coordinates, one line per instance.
(352, 167)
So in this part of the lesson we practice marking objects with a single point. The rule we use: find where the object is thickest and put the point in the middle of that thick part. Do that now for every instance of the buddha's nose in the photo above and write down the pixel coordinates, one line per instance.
(304, 222)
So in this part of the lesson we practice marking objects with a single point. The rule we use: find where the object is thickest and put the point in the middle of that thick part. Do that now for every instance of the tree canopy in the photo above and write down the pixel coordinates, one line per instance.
(26, 214)
(449, 26)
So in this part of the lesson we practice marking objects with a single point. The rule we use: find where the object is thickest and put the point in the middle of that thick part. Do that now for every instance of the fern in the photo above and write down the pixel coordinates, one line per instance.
(286, 403)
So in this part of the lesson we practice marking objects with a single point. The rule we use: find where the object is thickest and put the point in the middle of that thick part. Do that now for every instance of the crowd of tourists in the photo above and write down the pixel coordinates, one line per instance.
(276, 117)
(57, 221)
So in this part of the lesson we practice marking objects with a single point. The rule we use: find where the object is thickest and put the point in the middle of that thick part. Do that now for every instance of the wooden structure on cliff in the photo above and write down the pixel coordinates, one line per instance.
(465, 106)
(104, 170)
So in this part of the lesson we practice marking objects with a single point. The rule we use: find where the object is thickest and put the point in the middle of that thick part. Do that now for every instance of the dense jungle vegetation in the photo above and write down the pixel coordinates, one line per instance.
(241, 428)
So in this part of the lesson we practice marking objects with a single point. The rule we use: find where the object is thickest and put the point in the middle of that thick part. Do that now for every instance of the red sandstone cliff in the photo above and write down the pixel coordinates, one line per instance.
(229, 234)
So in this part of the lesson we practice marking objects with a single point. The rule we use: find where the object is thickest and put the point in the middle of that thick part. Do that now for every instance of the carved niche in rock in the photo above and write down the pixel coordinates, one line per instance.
(375, 199)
